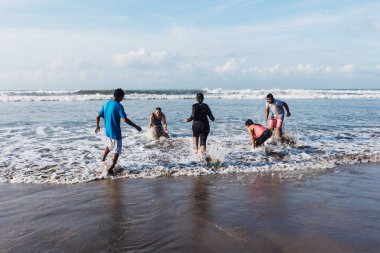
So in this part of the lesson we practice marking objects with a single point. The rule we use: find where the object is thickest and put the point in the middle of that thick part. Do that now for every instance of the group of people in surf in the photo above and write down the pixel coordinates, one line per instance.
(112, 111)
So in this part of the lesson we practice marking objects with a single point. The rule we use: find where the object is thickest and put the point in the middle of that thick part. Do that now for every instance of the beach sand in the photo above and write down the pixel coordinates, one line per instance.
(338, 211)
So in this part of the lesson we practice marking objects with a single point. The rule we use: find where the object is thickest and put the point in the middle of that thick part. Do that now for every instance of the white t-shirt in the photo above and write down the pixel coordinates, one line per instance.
(277, 108)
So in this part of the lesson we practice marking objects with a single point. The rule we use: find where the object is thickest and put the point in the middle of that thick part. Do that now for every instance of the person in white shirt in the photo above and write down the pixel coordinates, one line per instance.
(276, 107)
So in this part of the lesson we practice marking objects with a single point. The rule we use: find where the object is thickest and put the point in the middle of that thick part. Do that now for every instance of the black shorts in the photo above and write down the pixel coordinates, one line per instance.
(201, 130)
(265, 136)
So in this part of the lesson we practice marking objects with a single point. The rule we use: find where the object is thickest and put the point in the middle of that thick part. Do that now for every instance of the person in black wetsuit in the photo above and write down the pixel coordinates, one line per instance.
(201, 128)
(156, 120)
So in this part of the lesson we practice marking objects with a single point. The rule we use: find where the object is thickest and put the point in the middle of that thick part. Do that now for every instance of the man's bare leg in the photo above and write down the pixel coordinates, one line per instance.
(278, 132)
(105, 153)
(114, 161)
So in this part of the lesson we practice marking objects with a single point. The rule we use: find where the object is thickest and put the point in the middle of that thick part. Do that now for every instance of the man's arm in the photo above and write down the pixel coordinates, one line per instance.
(266, 114)
(129, 122)
(287, 109)
(97, 124)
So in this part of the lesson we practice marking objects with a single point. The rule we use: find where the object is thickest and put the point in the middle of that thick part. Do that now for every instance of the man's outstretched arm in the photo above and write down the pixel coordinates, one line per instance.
(129, 122)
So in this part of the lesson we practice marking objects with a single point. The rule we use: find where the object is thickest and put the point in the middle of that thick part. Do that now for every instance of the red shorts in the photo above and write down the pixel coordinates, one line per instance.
(276, 122)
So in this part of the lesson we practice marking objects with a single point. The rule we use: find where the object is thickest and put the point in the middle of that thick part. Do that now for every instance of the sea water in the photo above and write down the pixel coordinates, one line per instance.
(48, 136)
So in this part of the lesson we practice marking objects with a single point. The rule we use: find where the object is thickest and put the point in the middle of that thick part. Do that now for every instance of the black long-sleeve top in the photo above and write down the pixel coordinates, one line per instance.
(200, 112)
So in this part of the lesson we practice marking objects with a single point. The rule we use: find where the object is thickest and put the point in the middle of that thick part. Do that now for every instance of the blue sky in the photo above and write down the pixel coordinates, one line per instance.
(141, 44)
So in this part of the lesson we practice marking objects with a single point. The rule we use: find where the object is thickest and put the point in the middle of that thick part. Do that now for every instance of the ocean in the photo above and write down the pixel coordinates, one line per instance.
(48, 136)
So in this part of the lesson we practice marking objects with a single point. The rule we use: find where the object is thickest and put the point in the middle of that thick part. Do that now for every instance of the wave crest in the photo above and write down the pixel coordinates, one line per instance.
(89, 95)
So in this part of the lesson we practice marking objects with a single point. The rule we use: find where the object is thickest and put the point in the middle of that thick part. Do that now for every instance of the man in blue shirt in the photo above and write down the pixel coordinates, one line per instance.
(112, 111)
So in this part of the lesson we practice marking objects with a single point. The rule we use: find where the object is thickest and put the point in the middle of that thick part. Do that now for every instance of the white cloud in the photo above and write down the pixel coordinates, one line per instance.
(307, 68)
(193, 66)
(264, 72)
(348, 68)
(230, 66)
(328, 69)
(62, 73)
(139, 57)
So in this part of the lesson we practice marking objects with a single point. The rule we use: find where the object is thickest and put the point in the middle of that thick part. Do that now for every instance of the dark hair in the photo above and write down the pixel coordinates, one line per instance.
(200, 97)
(249, 122)
(118, 93)
(270, 96)
(158, 108)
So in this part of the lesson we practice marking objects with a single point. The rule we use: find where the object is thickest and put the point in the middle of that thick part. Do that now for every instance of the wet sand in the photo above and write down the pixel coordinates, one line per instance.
(333, 212)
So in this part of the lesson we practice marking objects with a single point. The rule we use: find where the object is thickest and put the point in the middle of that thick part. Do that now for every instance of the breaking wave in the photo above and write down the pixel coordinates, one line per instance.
(90, 95)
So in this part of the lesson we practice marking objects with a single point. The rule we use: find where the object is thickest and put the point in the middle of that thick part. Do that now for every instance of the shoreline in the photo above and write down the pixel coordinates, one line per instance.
(331, 212)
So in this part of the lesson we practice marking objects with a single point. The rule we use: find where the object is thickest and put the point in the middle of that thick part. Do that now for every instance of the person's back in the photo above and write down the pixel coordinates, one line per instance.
(258, 130)
(258, 133)
(112, 112)
(201, 112)
(201, 128)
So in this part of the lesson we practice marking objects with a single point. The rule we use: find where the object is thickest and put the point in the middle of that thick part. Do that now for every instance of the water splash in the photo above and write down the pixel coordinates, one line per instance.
(215, 155)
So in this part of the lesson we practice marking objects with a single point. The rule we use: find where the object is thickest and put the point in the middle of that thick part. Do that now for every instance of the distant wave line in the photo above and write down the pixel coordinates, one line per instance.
(219, 93)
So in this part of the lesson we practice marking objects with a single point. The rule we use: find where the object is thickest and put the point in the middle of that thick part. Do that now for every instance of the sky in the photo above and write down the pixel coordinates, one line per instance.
(151, 44)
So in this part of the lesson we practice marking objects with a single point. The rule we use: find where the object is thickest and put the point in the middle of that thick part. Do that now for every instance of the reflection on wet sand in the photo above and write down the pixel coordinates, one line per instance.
(231, 213)
(200, 206)
(118, 225)
(269, 204)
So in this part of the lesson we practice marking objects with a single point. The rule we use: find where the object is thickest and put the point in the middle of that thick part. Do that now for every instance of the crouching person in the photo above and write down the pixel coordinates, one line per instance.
(258, 133)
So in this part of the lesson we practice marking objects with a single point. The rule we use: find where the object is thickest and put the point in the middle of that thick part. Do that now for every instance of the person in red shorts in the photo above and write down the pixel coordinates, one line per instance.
(276, 107)
(258, 133)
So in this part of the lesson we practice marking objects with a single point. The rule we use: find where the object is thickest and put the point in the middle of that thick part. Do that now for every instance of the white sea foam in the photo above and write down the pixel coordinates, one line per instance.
(40, 131)
(65, 96)
(74, 158)
(56, 143)
(152, 134)
(40, 92)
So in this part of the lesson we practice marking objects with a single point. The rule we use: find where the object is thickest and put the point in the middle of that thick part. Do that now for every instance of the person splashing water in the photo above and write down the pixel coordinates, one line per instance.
(157, 124)
(276, 107)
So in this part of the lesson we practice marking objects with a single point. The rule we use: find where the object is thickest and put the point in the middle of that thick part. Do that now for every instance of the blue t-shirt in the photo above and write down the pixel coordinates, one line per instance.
(112, 111)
